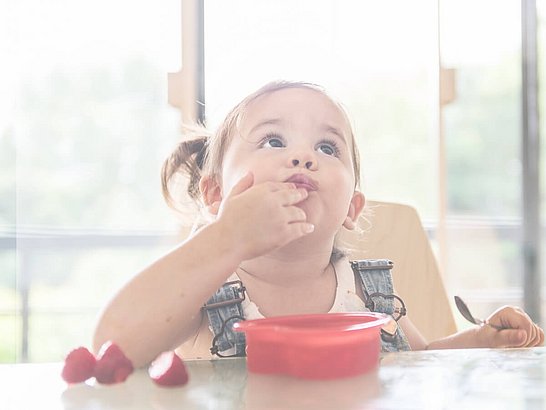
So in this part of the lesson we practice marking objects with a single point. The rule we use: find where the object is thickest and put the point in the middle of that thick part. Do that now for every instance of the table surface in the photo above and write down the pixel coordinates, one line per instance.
(459, 379)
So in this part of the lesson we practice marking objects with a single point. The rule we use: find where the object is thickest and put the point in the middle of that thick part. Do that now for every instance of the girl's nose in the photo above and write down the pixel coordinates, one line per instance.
(296, 162)
(308, 163)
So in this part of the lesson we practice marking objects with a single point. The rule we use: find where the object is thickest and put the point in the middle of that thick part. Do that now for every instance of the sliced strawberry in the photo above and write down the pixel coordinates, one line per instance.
(79, 365)
(168, 370)
(112, 364)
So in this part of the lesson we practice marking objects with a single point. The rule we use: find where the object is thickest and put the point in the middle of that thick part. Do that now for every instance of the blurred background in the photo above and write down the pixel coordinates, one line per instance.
(93, 95)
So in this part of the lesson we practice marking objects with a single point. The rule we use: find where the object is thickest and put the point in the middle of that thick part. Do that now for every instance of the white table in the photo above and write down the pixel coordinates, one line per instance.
(459, 379)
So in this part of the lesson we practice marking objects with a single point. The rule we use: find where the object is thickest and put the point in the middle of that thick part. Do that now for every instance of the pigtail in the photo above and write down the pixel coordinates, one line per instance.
(188, 158)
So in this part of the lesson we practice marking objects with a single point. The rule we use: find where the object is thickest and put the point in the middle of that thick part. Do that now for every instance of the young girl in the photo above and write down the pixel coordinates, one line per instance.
(278, 180)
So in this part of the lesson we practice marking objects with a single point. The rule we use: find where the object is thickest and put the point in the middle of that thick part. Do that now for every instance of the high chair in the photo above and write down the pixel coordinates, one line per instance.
(394, 231)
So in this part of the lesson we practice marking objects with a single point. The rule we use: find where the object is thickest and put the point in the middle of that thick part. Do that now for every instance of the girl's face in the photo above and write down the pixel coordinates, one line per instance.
(297, 135)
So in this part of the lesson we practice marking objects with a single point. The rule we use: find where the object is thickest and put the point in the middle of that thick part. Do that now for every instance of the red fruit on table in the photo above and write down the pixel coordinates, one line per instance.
(168, 370)
(79, 365)
(112, 364)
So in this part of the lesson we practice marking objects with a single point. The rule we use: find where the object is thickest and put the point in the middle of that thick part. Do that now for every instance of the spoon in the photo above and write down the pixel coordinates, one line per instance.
(468, 316)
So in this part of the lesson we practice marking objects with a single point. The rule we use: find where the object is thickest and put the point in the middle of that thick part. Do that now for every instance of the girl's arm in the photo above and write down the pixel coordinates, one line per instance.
(518, 330)
(161, 306)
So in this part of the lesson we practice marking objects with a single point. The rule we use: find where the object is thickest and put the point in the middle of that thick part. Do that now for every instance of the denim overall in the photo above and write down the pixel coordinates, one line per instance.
(225, 308)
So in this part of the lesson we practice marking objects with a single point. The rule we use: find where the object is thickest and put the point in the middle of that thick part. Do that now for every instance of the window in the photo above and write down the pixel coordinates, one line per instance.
(483, 135)
(379, 58)
(80, 151)
(382, 60)
(90, 130)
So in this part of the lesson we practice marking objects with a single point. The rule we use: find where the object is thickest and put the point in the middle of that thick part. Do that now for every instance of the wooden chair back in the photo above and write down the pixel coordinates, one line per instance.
(394, 231)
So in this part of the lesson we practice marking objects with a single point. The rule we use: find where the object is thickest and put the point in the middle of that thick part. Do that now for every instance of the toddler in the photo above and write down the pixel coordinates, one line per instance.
(278, 181)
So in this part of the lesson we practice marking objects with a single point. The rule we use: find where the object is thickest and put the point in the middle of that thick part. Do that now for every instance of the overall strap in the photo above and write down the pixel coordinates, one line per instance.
(377, 286)
(375, 275)
(223, 310)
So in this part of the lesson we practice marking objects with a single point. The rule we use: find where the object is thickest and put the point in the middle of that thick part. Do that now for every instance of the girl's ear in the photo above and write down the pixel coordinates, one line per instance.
(355, 208)
(211, 193)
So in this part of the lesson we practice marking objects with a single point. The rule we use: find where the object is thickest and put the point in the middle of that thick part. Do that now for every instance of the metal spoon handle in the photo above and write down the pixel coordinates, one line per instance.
(465, 312)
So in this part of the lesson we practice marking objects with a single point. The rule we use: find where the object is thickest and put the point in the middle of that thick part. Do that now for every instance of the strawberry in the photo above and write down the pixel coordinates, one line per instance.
(168, 370)
(112, 364)
(79, 365)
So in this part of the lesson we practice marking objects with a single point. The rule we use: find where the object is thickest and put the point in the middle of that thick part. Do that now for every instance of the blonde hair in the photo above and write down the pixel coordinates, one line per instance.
(203, 153)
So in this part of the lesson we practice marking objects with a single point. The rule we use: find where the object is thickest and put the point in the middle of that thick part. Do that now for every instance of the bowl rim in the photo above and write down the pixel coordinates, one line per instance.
(275, 323)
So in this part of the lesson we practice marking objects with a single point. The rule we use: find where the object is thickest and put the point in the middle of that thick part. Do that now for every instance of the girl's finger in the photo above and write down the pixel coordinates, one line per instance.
(541, 334)
(290, 197)
(531, 341)
(299, 229)
(279, 186)
(509, 338)
(242, 185)
(296, 214)
(537, 338)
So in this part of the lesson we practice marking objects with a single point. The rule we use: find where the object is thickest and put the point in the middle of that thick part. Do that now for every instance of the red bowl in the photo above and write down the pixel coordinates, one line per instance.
(314, 346)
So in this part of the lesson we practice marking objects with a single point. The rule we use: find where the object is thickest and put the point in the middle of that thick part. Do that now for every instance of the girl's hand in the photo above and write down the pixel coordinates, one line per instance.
(257, 219)
(518, 330)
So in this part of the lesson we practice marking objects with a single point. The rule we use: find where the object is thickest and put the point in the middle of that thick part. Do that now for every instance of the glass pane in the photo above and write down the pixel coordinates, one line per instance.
(8, 294)
(69, 288)
(9, 329)
(379, 58)
(92, 127)
(483, 137)
(541, 40)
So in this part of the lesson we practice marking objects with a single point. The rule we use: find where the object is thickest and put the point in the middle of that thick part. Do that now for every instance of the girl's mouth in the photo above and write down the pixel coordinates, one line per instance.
(303, 181)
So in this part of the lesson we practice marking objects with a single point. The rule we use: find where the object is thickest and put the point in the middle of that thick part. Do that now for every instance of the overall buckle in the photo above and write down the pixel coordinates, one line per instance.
(239, 289)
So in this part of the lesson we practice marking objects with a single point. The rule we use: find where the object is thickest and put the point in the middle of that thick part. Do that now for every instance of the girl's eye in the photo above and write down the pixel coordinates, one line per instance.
(328, 148)
(272, 142)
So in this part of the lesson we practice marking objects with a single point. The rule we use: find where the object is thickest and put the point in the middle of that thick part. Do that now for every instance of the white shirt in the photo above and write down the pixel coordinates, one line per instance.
(346, 298)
